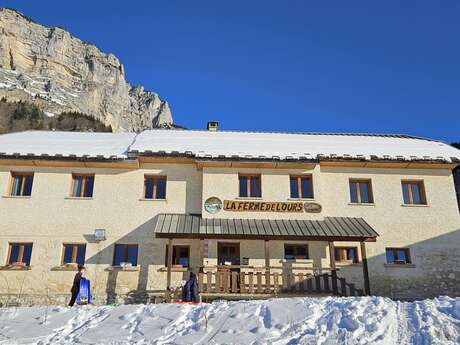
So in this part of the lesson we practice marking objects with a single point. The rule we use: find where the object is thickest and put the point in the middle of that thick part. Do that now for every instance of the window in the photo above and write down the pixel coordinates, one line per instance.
(398, 256)
(346, 254)
(295, 251)
(250, 186)
(180, 256)
(20, 253)
(301, 187)
(361, 192)
(74, 254)
(126, 253)
(83, 186)
(21, 184)
(155, 187)
(413, 192)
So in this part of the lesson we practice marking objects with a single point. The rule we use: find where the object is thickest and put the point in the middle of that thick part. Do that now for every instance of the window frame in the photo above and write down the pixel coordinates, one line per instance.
(422, 192)
(22, 245)
(299, 186)
(155, 178)
(341, 249)
(83, 185)
(394, 250)
(358, 182)
(176, 249)
(74, 253)
(248, 177)
(127, 245)
(24, 175)
(297, 245)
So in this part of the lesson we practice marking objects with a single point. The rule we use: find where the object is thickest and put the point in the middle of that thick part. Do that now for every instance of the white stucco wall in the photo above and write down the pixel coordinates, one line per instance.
(50, 218)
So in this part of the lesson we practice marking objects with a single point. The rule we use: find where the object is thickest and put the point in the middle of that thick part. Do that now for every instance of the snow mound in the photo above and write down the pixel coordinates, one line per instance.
(329, 320)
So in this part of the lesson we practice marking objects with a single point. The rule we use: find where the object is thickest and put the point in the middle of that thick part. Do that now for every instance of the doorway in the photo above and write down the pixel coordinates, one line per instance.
(228, 260)
(228, 253)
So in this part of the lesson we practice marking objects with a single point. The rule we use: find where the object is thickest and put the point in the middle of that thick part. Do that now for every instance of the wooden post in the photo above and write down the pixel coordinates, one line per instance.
(276, 283)
(200, 282)
(242, 282)
(208, 281)
(367, 289)
(333, 268)
(201, 254)
(251, 282)
(259, 282)
(343, 286)
(168, 276)
(267, 267)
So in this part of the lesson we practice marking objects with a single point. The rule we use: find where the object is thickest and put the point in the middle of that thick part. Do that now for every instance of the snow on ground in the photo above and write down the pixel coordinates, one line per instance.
(329, 320)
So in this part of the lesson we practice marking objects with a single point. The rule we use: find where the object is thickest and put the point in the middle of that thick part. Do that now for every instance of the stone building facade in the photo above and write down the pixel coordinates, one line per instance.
(133, 179)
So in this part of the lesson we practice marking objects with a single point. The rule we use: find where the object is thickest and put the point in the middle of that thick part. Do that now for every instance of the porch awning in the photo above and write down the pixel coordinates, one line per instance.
(331, 228)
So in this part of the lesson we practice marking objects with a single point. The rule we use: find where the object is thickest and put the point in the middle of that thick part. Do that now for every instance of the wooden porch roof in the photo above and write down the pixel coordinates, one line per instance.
(329, 229)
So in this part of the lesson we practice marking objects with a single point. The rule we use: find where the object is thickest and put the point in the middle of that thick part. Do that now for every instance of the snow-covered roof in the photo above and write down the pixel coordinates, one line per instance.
(66, 144)
(226, 145)
(292, 146)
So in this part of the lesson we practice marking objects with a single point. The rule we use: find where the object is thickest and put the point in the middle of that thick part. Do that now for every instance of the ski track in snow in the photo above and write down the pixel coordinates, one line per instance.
(291, 321)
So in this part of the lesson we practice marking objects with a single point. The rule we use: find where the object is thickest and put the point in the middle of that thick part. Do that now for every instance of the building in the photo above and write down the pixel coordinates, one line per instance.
(266, 213)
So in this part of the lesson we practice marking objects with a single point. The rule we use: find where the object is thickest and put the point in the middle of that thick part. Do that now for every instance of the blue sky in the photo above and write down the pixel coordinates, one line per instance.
(338, 66)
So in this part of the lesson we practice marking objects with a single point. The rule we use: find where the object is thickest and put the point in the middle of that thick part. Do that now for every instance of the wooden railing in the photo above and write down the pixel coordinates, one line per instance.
(228, 282)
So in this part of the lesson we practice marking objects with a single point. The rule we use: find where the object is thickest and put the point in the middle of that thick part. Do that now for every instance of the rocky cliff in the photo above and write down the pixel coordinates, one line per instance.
(60, 73)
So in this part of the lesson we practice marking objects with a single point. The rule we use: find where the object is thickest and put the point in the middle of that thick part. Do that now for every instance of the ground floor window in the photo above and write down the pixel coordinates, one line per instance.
(74, 254)
(20, 253)
(295, 251)
(180, 256)
(398, 256)
(125, 253)
(346, 254)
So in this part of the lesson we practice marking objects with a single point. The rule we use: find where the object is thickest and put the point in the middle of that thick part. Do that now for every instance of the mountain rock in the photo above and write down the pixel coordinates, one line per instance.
(60, 73)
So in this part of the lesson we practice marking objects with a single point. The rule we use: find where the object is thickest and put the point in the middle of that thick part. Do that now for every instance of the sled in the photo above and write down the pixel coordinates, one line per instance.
(84, 295)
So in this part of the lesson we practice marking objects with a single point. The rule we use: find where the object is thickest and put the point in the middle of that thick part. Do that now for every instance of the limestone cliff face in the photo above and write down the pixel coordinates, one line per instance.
(58, 72)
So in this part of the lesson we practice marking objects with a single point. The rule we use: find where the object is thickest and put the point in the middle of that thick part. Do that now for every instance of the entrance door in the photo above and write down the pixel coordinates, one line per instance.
(228, 256)
(228, 253)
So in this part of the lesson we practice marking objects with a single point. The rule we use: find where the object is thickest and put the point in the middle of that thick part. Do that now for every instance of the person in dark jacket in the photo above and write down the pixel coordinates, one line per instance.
(190, 290)
(76, 285)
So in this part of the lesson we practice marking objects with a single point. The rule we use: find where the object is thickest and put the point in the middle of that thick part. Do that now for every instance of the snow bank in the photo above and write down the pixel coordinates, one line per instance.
(330, 320)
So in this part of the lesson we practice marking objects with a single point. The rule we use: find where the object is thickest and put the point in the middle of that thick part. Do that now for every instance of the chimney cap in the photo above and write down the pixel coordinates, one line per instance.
(213, 125)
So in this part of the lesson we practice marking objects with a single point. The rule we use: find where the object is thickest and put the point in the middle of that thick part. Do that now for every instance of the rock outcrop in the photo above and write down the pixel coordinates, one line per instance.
(60, 73)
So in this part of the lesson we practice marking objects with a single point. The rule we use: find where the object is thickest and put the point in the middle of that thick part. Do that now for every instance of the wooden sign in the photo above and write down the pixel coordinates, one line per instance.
(312, 207)
(263, 206)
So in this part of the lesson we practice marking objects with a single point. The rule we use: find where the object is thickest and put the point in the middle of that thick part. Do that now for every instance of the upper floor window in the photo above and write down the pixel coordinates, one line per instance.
(346, 254)
(180, 256)
(250, 186)
(83, 185)
(295, 251)
(20, 253)
(21, 183)
(301, 187)
(126, 254)
(74, 254)
(398, 255)
(413, 192)
(361, 191)
(154, 187)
